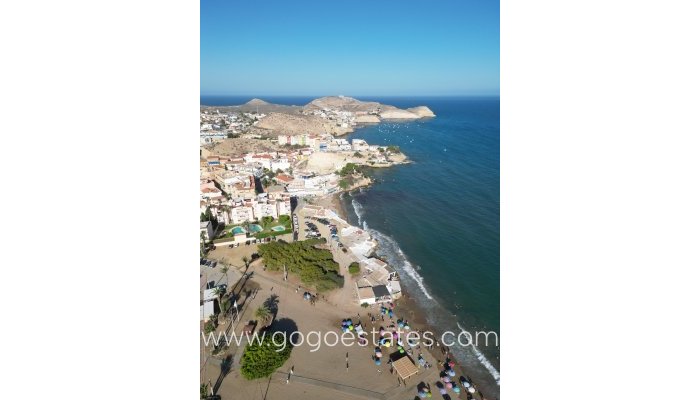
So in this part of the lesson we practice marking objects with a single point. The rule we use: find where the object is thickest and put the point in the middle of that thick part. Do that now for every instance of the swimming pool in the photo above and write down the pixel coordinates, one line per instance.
(238, 230)
(255, 228)
(278, 228)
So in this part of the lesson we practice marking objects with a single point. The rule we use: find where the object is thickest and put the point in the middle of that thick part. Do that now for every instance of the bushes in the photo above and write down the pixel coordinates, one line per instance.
(354, 268)
(314, 266)
(261, 359)
(348, 169)
(393, 149)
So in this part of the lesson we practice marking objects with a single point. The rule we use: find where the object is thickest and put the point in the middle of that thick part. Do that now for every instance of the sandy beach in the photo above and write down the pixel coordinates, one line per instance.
(331, 372)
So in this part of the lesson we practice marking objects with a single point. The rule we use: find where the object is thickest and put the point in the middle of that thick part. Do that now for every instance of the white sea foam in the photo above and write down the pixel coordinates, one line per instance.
(397, 258)
(484, 361)
(359, 211)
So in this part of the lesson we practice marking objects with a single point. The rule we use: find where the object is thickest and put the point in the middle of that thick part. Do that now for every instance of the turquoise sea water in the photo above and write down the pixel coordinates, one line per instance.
(437, 219)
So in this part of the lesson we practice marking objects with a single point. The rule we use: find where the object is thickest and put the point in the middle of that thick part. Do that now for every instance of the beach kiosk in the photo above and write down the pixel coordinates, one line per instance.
(405, 367)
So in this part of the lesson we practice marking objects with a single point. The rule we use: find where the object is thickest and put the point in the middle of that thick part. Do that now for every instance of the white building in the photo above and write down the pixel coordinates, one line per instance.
(241, 214)
(359, 145)
(208, 230)
(265, 209)
(280, 163)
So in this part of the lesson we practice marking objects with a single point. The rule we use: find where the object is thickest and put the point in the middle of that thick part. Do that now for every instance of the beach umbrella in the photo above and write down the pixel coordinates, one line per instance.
(394, 335)
(377, 361)
(471, 389)
(456, 389)
(450, 372)
(448, 385)
(443, 391)
(464, 382)
(451, 364)
(422, 395)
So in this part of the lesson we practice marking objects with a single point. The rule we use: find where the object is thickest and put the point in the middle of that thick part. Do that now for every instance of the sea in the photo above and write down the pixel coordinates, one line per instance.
(437, 218)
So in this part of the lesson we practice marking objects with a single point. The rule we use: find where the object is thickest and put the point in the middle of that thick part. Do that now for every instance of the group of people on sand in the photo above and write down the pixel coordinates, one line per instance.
(311, 298)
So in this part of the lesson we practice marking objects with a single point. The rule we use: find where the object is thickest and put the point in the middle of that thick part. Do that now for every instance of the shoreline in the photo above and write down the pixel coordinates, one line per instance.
(408, 307)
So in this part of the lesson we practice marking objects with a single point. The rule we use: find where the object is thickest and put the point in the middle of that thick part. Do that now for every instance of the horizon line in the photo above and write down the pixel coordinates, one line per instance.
(354, 95)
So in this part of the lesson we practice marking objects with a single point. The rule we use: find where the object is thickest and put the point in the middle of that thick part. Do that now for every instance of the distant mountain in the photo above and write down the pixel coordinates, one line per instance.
(311, 117)
(344, 103)
(257, 102)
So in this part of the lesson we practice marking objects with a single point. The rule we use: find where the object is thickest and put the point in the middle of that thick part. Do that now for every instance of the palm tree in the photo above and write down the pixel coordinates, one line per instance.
(224, 270)
(263, 313)
(201, 248)
(219, 291)
(245, 261)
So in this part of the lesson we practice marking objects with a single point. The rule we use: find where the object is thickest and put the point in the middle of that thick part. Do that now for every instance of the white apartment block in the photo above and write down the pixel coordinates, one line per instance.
(265, 209)
(302, 140)
(241, 214)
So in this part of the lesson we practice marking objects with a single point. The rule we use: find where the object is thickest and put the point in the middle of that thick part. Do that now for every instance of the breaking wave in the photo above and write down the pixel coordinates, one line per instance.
(484, 361)
(390, 250)
(359, 211)
(395, 257)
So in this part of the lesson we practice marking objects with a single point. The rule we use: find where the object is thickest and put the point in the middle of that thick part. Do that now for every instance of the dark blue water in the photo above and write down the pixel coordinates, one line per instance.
(437, 219)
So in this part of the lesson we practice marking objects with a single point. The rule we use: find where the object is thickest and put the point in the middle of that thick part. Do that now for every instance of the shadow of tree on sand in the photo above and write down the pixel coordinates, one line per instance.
(226, 364)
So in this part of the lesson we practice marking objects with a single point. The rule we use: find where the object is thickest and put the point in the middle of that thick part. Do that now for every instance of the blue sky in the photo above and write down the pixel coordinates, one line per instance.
(354, 48)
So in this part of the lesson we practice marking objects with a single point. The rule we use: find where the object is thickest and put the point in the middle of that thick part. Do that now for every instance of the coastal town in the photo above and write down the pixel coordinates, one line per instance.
(277, 254)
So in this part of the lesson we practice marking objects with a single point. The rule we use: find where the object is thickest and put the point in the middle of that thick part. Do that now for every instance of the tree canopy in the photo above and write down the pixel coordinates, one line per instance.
(262, 359)
(354, 268)
(313, 265)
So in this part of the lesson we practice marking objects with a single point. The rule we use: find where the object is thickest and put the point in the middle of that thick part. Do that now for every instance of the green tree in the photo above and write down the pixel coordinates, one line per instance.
(219, 291)
(261, 359)
(224, 270)
(263, 313)
(246, 261)
(313, 265)
(354, 268)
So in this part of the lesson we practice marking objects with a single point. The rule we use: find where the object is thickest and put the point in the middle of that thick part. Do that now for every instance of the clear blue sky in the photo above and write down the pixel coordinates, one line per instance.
(354, 48)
